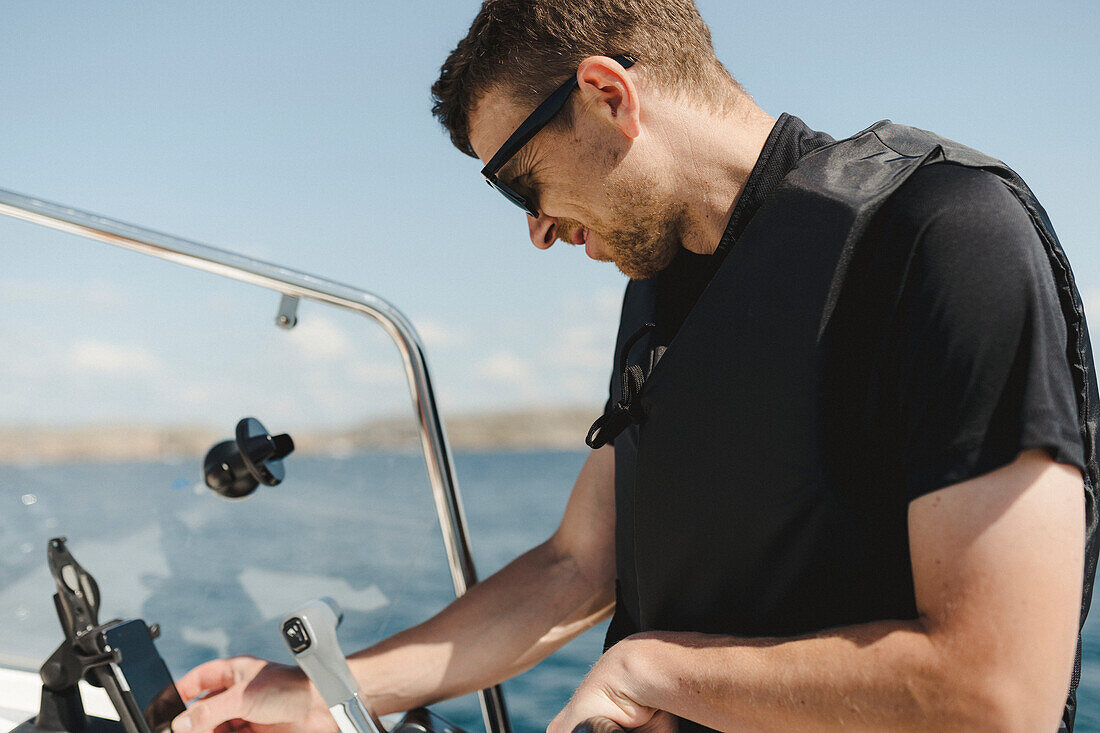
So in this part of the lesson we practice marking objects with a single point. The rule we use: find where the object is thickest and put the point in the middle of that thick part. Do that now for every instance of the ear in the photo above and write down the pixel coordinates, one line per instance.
(606, 87)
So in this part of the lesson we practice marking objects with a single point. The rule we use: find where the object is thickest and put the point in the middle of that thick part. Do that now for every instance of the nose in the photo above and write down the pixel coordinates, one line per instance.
(543, 230)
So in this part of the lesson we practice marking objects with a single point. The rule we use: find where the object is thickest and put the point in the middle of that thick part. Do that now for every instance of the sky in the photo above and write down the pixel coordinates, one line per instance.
(301, 134)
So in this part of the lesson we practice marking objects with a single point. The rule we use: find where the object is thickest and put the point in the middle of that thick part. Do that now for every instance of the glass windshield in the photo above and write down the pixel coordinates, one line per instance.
(114, 391)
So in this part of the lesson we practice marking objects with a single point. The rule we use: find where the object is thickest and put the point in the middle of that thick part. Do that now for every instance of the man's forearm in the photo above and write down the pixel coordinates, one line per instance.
(997, 567)
(882, 676)
(501, 627)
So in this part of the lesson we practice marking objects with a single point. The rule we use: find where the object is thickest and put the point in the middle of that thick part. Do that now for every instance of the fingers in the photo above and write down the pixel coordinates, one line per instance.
(662, 722)
(205, 716)
(211, 677)
(596, 709)
(598, 725)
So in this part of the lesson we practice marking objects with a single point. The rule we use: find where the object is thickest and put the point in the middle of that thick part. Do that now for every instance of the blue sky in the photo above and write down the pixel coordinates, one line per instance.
(300, 133)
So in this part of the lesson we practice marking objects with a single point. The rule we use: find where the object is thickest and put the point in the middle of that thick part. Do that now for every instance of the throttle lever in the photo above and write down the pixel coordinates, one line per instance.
(310, 634)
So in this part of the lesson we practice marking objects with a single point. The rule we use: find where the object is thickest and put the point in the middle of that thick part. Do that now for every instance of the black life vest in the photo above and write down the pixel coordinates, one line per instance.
(720, 477)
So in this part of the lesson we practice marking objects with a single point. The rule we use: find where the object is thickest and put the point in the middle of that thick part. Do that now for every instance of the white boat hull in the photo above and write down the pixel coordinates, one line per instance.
(20, 692)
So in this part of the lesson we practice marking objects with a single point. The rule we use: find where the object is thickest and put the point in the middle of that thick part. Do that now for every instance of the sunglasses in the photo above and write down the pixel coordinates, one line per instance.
(523, 134)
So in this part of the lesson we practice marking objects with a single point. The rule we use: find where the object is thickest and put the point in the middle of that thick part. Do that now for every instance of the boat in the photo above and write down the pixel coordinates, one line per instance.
(138, 543)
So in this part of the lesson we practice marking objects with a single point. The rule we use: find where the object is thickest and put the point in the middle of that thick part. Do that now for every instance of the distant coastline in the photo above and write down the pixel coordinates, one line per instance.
(529, 429)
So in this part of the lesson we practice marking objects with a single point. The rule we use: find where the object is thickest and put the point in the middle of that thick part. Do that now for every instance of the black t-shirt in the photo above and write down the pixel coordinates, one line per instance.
(948, 342)
(945, 356)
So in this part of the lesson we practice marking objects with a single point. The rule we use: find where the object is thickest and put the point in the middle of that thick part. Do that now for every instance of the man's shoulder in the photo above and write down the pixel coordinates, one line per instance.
(939, 188)
(952, 243)
(959, 216)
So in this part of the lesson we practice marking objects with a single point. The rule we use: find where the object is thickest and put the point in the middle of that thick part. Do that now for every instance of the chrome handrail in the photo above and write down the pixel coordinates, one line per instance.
(433, 437)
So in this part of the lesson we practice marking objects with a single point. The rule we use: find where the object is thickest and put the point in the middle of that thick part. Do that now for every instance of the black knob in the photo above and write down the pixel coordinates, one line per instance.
(234, 468)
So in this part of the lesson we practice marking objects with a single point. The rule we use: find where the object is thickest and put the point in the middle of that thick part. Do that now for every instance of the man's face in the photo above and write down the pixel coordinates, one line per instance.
(591, 185)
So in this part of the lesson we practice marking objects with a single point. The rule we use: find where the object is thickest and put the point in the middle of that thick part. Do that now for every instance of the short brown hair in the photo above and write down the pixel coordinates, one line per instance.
(531, 46)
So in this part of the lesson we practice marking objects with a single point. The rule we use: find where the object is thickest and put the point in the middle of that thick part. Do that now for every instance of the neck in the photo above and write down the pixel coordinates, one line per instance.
(711, 155)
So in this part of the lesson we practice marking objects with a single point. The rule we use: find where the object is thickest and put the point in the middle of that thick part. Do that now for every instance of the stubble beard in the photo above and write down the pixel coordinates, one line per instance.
(644, 230)
(647, 243)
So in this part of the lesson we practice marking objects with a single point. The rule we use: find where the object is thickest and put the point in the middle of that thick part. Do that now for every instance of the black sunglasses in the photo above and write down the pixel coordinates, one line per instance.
(523, 134)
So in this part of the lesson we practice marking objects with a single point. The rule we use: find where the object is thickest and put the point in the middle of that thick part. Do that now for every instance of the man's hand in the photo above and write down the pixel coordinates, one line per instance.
(249, 694)
(609, 691)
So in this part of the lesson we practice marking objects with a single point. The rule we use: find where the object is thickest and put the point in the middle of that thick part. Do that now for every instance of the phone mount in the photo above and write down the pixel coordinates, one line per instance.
(77, 604)
(234, 468)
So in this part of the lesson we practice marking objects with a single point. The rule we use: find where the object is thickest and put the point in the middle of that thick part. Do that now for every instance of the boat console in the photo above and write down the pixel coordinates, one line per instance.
(120, 656)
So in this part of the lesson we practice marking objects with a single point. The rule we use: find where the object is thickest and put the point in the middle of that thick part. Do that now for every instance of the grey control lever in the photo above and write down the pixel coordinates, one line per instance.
(310, 634)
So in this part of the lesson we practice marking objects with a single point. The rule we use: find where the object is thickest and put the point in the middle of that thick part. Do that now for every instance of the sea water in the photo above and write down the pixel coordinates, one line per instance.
(218, 575)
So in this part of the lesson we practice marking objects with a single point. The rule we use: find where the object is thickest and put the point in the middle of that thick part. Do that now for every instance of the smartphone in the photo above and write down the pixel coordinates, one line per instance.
(139, 684)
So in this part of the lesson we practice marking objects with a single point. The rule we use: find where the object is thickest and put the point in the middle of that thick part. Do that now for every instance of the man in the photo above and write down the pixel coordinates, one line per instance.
(853, 418)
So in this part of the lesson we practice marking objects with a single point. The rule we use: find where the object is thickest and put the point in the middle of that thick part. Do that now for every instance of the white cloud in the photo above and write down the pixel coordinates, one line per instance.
(601, 306)
(506, 366)
(319, 339)
(439, 335)
(1091, 299)
(197, 394)
(116, 359)
(585, 346)
(378, 374)
(94, 293)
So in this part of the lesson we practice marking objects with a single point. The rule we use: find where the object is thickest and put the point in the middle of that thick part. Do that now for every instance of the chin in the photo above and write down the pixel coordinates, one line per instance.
(642, 266)
(635, 273)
